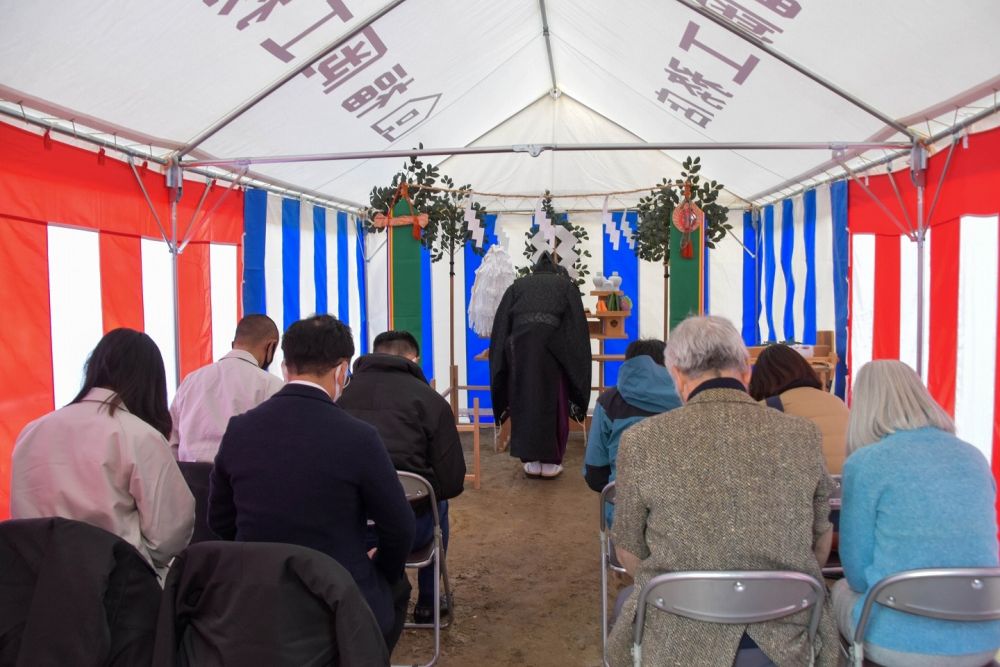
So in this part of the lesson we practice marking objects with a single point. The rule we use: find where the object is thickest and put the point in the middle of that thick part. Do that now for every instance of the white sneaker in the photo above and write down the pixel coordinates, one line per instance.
(550, 470)
(533, 469)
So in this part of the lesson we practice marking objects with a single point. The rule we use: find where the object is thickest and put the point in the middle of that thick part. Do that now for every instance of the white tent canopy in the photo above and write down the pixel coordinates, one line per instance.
(447, 73)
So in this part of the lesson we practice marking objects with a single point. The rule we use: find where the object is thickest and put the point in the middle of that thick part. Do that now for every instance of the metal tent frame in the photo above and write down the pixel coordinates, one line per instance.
(913, 146)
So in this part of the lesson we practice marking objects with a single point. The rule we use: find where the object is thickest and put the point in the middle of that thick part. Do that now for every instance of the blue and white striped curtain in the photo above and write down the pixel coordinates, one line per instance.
(775, 277)
(301, 259)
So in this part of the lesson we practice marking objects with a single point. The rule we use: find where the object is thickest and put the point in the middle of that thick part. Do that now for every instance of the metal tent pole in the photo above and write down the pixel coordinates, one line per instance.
(918, 173)
(175, 185)
(537, 149)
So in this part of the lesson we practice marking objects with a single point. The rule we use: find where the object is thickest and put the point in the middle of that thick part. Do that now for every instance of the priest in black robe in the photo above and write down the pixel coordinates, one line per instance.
(540, 363)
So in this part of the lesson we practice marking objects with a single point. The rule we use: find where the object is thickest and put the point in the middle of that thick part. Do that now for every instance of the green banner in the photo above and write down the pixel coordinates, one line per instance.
(407, 288)
(683, 278)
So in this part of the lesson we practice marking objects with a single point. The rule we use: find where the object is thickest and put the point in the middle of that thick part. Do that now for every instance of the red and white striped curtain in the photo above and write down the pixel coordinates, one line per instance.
(81, 254)
(961, 337)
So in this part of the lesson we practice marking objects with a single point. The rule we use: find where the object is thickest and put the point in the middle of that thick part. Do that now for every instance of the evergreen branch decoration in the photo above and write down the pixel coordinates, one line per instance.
(446, 231)
(578, 232)
(656, 210)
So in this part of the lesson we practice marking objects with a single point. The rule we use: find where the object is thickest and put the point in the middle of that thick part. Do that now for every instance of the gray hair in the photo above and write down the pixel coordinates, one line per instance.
(700, 345)
(888, 396)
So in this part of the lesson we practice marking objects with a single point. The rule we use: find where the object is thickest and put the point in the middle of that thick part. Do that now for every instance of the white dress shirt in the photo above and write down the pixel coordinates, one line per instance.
(208, 397)
(114, 472)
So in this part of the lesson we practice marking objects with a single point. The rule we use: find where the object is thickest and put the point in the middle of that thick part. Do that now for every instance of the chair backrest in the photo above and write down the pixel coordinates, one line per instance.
(216, 595)
(196, 474)
(419, 490)
(837, 493)
(607, 498)
(731, 597)
(954, 594)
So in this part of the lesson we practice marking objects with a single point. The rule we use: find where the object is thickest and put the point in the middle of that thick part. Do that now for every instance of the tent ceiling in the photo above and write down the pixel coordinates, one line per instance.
(477, 73)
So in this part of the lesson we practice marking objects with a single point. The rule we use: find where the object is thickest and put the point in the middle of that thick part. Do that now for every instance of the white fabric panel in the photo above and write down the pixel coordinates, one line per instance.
(651, 299)
(799, 268)
(975, 374)
(378, 284)
(908, 301)
(273, 274)
(461, 323)
(75, 306)
(439, 311)
(510, 230)
(354, 299)
(778, 300)
(862, 300)
(332, 290)
(595, 244)
(307, 269)
(158, 305)
(725, 268)
(826, 312)
(222, 277)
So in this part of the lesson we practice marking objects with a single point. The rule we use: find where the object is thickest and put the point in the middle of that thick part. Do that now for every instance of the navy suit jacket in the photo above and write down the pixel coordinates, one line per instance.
(300, 470)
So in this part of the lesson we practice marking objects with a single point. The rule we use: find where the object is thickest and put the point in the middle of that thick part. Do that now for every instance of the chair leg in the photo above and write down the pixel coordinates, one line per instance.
(604, 598)
(443, 557)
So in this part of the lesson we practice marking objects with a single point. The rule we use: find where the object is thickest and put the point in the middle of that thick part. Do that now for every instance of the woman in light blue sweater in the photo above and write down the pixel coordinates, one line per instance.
(914, 496)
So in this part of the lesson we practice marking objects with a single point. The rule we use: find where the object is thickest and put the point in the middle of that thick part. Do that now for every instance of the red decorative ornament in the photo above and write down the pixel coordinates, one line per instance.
(688, 217)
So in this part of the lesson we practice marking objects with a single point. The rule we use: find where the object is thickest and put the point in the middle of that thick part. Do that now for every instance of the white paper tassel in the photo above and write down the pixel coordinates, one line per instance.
(493, 277)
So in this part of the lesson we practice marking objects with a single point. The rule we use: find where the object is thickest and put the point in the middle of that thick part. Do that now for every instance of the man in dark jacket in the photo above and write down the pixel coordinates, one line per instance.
(298, 469)
(388, 390)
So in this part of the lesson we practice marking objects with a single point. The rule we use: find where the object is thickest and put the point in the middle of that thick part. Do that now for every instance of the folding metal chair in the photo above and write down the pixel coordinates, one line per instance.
(419, 490)
(730, 597)
(952, 594)
(609, 561)
(833, 569)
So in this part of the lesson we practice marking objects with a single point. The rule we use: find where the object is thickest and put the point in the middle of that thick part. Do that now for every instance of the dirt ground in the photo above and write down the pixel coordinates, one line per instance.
(524, 562)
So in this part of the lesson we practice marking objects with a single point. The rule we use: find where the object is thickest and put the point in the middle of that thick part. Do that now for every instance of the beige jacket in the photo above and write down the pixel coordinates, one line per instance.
(722, 483)
(116, 473)
(829, 413)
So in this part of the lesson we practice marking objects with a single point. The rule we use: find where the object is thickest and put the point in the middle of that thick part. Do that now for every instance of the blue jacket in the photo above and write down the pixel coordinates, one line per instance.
(918, 499)
(644, 389)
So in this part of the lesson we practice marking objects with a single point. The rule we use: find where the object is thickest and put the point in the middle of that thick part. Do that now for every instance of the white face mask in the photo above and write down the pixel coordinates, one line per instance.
(338, 382)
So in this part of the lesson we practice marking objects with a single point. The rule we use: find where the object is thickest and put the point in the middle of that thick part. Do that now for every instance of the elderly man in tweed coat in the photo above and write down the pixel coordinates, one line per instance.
(722, 483)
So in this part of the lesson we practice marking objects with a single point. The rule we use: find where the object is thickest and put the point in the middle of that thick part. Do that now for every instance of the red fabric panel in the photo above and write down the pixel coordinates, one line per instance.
(25, 337)
(885, 329)
(121, 281)
(943, 345)
(194, 284)
(68, 185)
(971, 187)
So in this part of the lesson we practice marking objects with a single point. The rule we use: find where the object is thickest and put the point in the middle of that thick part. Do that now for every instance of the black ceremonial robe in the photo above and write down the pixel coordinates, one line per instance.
(539, 357)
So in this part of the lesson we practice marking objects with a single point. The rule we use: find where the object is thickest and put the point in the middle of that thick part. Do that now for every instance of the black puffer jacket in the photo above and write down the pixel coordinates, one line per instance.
(74, 594)
(414, 421)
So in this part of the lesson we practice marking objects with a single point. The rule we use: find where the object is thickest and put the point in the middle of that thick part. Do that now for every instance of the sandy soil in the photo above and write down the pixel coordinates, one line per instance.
(524, 562)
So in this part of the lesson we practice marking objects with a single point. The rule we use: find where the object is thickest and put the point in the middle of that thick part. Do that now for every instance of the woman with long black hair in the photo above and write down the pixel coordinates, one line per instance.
(104, 458)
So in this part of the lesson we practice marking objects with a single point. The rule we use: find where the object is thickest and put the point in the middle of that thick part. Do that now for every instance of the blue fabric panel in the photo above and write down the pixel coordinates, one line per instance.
(343, 275)
(770, 268)
(290, 255)
(751, 282)
(426, 314)
(319, 259)
(625, 262)
(809, 236)
(362, 285)
(477, 372)
(838, 206)
(254, 226)
(787, 249)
